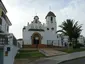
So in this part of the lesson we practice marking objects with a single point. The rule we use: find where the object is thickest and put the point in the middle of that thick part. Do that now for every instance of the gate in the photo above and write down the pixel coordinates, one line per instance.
(49, 43)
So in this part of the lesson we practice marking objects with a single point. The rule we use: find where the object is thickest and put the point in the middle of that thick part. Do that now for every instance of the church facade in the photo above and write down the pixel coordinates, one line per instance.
(38, 34)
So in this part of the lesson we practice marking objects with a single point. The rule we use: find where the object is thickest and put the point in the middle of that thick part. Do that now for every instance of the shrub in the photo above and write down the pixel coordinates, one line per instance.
(78, 45)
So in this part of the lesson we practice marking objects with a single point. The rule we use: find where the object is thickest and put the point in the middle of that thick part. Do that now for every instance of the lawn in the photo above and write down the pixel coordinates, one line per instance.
(70, 50)
(29, 54)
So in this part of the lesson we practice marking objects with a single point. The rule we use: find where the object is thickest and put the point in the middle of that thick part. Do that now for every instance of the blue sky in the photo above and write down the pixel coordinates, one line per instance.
(20, 12)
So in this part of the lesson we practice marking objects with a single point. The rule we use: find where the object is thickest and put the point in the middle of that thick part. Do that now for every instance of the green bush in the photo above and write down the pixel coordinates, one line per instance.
(78, 45)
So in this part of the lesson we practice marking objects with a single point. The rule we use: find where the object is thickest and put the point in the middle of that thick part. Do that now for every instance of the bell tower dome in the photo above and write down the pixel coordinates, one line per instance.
(51, 21)
(50, 14)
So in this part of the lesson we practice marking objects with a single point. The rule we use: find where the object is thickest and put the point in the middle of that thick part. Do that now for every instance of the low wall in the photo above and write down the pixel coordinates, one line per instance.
(11, 54)
(34, 46)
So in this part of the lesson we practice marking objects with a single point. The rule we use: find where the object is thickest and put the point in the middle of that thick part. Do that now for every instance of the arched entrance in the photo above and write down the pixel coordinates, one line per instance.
(36, 39)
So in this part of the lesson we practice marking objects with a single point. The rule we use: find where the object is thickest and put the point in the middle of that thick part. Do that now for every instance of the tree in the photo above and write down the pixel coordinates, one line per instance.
(71, 29)
(76, 31)
(67, 27)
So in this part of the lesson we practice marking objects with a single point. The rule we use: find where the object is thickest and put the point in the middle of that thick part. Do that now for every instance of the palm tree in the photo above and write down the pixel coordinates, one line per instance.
(76, 31)
(71, 29)
(67, 27)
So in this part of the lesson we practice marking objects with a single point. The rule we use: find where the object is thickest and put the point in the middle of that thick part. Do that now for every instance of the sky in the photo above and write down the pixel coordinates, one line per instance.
(20, 12)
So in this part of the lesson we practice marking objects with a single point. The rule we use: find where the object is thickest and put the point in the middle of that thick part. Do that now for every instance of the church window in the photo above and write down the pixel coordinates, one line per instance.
(51, 19)
(47, 28)
(24, 28)
(36, 21)
(52, 28)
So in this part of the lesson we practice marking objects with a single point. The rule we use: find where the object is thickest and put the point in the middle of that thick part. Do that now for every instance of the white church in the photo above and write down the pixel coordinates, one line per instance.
(38, 34)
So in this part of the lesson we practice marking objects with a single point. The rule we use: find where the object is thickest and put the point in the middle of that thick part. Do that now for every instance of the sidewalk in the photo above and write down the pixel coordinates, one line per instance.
(51, 52)
(58, 59)
(68, 56)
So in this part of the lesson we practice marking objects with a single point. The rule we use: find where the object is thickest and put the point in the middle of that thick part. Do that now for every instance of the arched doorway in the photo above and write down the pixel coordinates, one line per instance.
(36, 39)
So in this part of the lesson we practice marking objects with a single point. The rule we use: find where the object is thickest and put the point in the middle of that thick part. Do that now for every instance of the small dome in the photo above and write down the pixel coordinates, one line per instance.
(36, 17)
(50, 14)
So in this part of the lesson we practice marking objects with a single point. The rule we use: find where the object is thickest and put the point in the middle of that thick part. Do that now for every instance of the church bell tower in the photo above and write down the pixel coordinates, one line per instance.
(51, 21)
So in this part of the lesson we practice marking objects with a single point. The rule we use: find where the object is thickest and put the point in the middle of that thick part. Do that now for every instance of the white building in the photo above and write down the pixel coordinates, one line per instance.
(8, 43)
(81, 39)
(38, 34)
(20, 41)
(63, 40)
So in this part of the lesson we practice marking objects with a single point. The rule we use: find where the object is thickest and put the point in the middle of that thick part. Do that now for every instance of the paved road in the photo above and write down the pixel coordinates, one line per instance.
(48, 61)
(76, 61)
(57, 59)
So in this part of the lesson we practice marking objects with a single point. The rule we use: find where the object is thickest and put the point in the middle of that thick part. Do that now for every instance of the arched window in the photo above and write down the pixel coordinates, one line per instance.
(24, 28)
(52, 28)
(51, 19)
(36, 21)
(47, 28)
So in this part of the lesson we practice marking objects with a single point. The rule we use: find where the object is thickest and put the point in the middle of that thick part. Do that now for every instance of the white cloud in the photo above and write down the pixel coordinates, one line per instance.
(75, 10)
(20, 12)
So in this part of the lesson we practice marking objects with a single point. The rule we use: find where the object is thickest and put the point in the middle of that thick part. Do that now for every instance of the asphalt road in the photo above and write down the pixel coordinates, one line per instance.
(47, 61)
(76, 61)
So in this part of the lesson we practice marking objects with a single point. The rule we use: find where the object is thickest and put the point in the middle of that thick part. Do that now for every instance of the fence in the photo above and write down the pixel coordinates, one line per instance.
(49, 42)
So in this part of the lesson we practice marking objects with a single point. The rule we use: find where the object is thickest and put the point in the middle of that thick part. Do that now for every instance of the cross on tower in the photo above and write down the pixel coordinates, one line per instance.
(49, 8)
(35, 13)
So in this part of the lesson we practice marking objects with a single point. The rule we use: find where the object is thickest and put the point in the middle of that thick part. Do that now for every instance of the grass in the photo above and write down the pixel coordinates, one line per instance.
(29, 54)
(70, 50)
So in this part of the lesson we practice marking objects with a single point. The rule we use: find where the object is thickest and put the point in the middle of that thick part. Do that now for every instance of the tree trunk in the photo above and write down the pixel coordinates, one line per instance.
(76, 42)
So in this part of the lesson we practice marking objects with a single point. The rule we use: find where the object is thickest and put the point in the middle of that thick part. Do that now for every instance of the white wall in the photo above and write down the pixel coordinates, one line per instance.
(47, 35)
(11, 54)
(13, 49)
(51, 25)
(81, 40)
(27, 37)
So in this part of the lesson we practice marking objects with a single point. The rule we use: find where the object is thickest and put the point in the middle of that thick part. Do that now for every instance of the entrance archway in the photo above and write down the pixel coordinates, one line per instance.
(36, 39)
